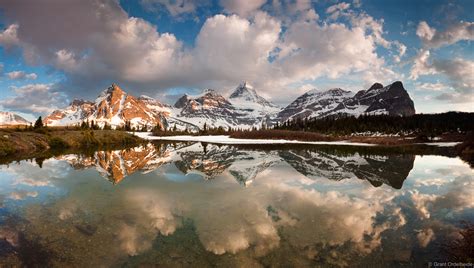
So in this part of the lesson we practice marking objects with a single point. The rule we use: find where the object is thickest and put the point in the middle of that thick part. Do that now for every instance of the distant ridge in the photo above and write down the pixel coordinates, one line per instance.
(244, 108)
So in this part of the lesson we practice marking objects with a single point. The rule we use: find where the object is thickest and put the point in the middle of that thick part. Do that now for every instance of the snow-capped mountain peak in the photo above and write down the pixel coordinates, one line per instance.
(245, 94)
(113, 107)
(8, 118)
(392, 99)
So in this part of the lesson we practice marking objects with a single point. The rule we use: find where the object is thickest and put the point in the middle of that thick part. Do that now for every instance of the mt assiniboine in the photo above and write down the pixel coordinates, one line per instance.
(244, 108)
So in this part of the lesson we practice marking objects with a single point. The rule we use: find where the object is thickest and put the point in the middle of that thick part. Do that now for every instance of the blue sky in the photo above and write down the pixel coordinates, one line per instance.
(163, 48)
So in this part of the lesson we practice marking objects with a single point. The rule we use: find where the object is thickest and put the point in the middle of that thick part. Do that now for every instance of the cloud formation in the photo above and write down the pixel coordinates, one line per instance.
(454, 33)
(241, 7)
(18, 75)
(34, 98)
(110, 46)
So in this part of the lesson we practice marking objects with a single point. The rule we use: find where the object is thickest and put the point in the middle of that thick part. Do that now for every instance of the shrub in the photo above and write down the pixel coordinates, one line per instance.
(57, 143)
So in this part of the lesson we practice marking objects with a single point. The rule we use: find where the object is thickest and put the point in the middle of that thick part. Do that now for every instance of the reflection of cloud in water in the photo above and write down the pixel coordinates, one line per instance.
(20, 195)
(456, 195)
(425, 237)
(159, 210)
(281, 208)
(132, 241)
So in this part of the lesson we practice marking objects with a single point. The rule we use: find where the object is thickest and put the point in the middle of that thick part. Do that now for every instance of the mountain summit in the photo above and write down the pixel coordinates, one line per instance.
(113, 107)
(7, 118)
(392, 100)
(244, 108)
(245, 93)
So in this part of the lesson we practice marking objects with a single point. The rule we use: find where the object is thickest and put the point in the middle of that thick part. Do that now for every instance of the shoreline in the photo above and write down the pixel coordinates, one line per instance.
(41, 143)
(226, 139)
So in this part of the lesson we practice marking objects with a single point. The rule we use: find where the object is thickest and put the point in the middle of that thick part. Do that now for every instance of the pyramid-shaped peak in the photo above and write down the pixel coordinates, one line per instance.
(114, 88)
(244, 90)
(79, 102)
(246, 84)
(376, 86)
(209, 91)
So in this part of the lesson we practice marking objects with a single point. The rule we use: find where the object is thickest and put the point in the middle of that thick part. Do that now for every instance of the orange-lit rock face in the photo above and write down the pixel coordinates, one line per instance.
(77, 109)
(114, 107)
(116, 165)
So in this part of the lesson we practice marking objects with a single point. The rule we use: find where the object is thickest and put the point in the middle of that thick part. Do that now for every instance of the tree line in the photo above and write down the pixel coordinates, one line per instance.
(429, 124)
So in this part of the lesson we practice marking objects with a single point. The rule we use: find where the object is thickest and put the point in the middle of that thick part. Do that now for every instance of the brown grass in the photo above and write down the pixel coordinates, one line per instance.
(282, 134)
(26, 144)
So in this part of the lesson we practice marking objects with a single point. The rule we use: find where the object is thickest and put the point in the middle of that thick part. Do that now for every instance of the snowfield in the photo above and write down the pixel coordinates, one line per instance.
(222, 139)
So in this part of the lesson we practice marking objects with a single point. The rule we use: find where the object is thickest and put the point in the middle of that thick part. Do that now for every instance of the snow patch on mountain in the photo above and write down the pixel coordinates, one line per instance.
(8, 118)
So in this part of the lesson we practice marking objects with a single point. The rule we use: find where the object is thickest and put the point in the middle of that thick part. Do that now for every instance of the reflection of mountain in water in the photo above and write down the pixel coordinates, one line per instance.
(377, 169)
(209, 161)
(116, 165)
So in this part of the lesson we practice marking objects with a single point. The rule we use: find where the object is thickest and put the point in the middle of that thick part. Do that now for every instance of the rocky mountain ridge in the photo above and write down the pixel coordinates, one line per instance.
(392, 100)
(8, 118)
(244, 108)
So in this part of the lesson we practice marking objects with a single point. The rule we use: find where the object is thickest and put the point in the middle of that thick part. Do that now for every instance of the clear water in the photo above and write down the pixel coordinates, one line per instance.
(200, 205)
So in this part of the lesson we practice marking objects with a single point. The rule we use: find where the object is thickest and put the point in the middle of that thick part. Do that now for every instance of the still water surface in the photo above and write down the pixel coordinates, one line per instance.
(194, 204)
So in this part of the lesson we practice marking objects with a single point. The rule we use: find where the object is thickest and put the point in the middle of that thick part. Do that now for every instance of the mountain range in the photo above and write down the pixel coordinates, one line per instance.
(209, 161)
(244, 108)
(8, 118)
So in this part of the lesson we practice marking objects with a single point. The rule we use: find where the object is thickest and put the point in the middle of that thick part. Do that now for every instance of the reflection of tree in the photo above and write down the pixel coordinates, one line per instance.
(39, 161)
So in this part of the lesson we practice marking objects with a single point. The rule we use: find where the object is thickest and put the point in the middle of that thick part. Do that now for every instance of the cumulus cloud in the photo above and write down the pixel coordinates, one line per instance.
(335, 11)
(18, 75)
(174, 7)
(34, 98)
(242, 7)
(110, 46)
(8, 37)
(454, 33)
(460, 73)
(438, 86)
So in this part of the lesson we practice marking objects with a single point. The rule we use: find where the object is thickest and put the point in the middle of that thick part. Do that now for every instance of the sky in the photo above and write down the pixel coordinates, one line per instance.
(54, 51)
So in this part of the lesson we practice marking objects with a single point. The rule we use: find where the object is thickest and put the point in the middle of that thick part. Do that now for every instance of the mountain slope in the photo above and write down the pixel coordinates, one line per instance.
(244, 109)
(7, 118)
(314, 104)
(113, 107)
(392, 99)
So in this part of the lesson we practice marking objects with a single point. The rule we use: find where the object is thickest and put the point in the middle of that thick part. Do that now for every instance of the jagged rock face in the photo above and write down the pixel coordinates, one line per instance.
(7, 118)
(113, 107)
(244, 109)
(314, 104)
(246, 94)
(77, 111)
(392, 100)
(182, 102)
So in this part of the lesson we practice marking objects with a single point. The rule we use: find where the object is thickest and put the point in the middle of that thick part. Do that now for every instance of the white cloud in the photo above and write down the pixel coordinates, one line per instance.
(17, 75)
(335, 10)
(242, 7)
(438, 86)
(174, 7)
(452, 34)
(110, 46)
(9, 37)
(460, 73)
(34, 98)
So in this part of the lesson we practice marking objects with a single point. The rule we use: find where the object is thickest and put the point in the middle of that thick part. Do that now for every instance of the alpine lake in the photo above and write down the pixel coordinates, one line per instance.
(184, 204)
